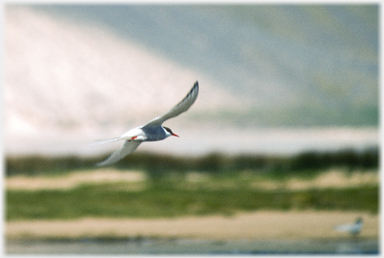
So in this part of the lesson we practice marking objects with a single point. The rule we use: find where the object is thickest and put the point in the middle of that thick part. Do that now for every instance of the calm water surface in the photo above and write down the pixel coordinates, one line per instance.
(187, 246)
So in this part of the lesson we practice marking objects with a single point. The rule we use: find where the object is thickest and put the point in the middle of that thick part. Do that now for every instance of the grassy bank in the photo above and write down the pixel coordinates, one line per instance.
(306, 164)
(175, 186)
(171, 200)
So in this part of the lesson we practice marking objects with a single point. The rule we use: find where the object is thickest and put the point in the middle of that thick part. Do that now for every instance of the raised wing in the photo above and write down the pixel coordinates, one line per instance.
(181, 107)
(127, 148)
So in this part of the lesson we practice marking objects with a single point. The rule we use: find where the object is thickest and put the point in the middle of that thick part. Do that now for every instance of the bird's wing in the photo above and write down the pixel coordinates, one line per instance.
(181, 107)
(344, 227)
(127, 148)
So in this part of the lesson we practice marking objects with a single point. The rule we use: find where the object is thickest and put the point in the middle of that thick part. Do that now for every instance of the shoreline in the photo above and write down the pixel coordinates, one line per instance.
(259, 225)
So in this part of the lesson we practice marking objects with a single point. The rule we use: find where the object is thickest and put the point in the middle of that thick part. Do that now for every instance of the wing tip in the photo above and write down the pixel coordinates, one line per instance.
(196, 84)
(102, 163)
(195, 87)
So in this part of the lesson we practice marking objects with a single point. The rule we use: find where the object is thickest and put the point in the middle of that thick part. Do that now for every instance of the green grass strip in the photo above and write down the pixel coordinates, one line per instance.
(170, 201)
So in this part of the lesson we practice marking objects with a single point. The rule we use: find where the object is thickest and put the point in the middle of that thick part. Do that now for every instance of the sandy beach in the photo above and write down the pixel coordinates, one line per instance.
(255, 225)
(252, 225)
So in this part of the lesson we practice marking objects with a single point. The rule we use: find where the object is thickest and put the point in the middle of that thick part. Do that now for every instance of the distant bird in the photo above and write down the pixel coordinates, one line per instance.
(353, 229)
(152, 131)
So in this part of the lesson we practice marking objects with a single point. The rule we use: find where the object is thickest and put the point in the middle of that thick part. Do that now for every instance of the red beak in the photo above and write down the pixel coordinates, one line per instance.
(175, 135)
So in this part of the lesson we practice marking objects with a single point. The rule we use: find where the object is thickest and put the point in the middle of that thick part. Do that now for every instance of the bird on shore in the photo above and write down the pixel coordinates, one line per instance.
(152, 131)
(352, 229)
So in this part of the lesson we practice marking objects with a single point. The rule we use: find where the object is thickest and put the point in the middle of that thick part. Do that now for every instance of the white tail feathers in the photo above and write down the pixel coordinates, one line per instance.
(106, 141)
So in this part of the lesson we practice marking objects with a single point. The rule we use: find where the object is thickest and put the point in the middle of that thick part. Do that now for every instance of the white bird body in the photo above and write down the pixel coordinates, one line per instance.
(152, 131)
(135, 132)
(353, 229)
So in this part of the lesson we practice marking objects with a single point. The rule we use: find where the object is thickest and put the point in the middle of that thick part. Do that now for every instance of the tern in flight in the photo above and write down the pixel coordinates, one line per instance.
(152, 131)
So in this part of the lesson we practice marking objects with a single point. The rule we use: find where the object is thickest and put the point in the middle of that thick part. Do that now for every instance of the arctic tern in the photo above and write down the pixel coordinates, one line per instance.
(152, 131)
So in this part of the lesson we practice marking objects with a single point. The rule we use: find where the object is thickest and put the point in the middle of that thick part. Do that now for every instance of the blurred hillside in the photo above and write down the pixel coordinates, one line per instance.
(75, 73)
(317, 62)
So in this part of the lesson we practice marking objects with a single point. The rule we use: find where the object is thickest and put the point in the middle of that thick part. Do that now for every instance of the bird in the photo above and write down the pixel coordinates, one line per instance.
(353, 229)
(152, 131)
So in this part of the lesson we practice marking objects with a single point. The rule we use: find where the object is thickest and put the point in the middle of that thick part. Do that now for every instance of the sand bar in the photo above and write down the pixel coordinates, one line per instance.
(255, 225)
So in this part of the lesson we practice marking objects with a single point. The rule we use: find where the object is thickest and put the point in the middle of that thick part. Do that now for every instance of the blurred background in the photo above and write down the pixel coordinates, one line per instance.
(273, 78)
(287, 92)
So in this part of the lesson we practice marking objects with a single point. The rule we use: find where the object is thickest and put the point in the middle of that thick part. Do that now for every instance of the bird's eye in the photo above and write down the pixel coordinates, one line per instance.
(168, 130)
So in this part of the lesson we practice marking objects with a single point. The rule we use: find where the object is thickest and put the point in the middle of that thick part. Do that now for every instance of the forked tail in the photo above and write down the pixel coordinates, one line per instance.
(106, 141)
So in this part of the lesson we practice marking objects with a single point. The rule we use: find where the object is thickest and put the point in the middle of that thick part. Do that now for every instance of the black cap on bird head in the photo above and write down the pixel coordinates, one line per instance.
(170, 131)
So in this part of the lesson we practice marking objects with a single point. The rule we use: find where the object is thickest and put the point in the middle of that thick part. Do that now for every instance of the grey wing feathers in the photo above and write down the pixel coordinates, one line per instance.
(181, 107)
(127, 148)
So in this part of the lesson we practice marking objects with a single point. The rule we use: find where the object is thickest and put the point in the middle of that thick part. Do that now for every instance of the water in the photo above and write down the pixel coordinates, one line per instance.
(192, 246)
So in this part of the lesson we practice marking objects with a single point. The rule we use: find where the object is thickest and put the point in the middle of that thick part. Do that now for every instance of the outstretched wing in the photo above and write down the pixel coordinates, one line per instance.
(127, 148)
(343, 228)
(181, 107)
